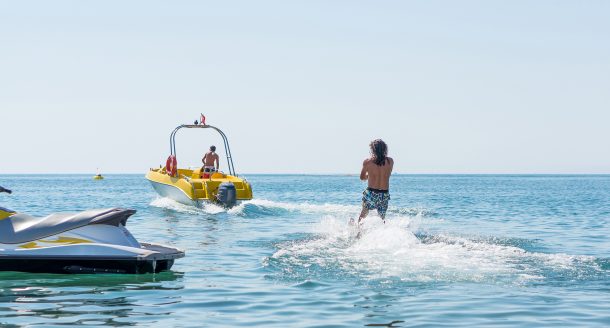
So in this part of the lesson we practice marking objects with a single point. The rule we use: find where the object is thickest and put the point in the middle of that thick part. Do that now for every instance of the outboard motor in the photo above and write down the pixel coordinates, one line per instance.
(227, 194)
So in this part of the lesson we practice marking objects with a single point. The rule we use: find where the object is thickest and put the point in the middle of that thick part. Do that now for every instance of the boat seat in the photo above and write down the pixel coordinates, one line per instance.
(218, 175)
(196, 174)
(21, 228)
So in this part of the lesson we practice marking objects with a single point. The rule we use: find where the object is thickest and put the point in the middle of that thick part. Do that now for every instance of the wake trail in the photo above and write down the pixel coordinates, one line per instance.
(263, 207)
(393, 250)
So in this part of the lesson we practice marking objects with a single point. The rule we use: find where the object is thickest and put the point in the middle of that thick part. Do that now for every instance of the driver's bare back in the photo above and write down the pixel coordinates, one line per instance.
(211, 161)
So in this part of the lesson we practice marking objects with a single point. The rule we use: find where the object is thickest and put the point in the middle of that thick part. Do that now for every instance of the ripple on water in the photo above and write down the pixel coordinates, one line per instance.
(446, 262)
(35, 299)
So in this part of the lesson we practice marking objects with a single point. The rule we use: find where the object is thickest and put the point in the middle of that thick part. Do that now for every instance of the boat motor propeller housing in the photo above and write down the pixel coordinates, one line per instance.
(227, 194)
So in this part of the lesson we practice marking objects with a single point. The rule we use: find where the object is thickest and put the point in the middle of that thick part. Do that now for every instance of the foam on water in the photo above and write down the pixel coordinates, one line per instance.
(170, 204)
(393, 250)
(256, 207)
(253, 207)
(292, 207)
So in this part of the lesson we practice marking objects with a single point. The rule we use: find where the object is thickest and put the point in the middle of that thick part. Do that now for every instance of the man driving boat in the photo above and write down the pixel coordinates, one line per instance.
(211, 161)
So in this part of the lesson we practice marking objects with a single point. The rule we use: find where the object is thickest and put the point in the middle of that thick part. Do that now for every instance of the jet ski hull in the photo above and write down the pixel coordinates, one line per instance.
(85, 265)
(93, 241)
(158, 258)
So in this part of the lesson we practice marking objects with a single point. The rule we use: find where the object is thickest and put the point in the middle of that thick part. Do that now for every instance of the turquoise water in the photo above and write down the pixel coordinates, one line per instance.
(524, 251)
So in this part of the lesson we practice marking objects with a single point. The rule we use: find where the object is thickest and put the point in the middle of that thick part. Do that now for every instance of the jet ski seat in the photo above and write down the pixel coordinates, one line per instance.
(22, 228)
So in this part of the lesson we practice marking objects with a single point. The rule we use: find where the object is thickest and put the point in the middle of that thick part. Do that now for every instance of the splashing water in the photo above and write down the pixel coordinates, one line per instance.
(393, 250)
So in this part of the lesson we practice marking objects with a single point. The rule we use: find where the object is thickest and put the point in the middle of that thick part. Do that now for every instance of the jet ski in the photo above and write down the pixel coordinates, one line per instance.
(93, 241)
(194, 187)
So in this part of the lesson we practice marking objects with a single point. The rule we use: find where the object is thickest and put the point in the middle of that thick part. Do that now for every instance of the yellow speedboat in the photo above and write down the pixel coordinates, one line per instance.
(98, 177)
(193, 187)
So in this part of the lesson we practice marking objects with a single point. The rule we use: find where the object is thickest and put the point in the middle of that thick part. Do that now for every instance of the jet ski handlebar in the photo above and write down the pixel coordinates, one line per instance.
(8, 191)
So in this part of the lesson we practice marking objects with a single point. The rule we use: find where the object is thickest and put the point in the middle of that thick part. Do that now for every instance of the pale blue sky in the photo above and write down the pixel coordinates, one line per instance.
(303, 86)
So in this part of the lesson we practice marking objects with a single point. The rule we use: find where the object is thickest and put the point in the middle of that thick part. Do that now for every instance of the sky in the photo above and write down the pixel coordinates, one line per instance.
(304, 86)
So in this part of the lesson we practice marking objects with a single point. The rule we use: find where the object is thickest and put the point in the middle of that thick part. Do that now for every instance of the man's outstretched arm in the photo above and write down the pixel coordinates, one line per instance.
(363, 173)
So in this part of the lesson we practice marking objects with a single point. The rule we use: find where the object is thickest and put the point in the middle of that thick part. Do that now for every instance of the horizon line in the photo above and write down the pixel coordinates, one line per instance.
(331, 173)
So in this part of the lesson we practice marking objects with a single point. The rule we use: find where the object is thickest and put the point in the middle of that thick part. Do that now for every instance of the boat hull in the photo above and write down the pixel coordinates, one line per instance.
(173, 192)
(189, 189)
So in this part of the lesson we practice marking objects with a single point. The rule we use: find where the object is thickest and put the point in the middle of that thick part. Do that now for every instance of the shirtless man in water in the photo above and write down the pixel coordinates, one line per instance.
(377, 170)
(211, 161)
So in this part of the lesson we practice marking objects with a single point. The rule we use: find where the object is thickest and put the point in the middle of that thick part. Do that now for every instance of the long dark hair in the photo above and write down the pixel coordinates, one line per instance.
(379, 151)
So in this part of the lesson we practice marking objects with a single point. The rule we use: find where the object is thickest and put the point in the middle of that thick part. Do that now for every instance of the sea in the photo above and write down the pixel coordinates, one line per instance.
(455, 251)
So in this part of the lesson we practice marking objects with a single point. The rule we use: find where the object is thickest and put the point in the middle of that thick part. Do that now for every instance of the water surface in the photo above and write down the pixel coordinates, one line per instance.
(456, 251)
